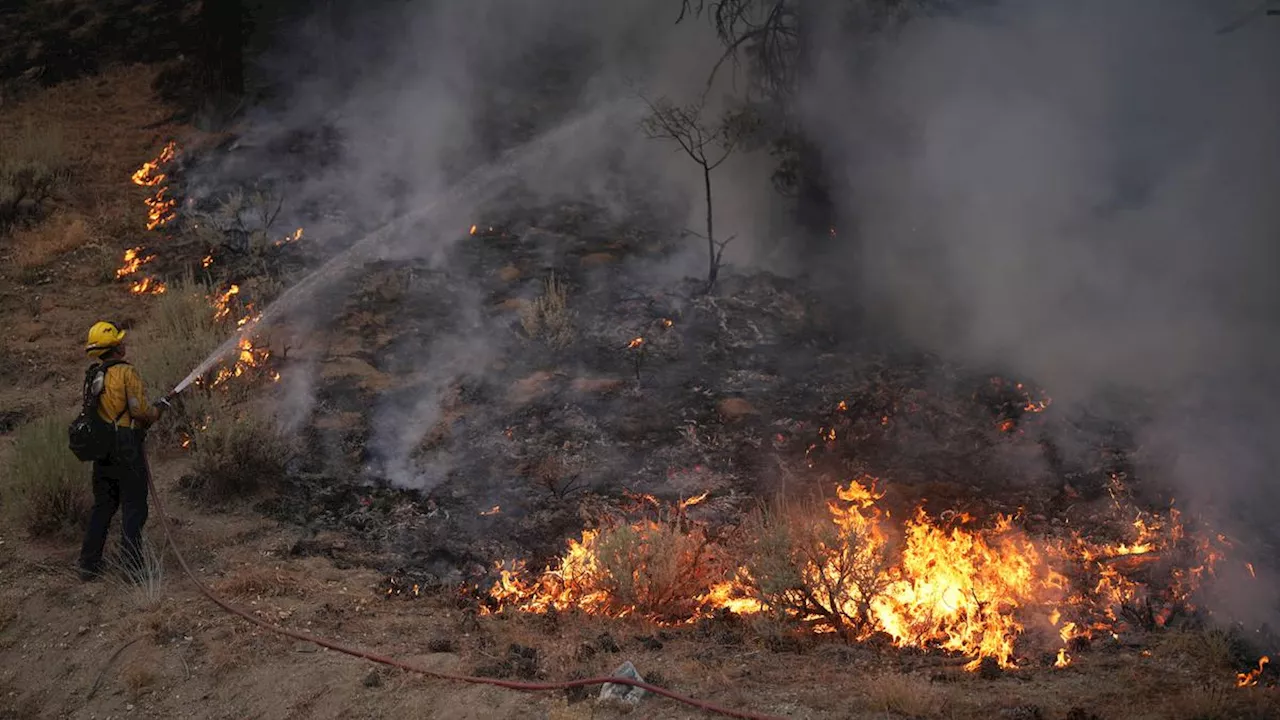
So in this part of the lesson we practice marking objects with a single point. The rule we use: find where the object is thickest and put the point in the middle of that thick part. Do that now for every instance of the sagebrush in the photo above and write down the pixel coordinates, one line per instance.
(180, 333)
(801, 566)
(658, 567)
(34, 162)
(47, 491)
(234, 455)
(548, 317)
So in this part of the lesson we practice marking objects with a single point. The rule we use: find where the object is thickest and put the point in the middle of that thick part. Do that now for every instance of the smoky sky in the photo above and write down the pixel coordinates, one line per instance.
(1085, 193)
(423, 92)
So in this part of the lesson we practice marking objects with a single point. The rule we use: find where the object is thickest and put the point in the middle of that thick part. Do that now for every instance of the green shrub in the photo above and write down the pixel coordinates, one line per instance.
(234, 456)
(33, 163)
(48, 489)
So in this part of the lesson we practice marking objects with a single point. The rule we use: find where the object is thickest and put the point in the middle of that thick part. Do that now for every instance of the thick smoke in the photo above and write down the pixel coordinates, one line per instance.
(1084, 192)
(536, 101)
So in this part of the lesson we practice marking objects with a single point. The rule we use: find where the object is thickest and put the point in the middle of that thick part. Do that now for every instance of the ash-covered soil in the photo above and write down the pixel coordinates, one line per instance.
(446, 434)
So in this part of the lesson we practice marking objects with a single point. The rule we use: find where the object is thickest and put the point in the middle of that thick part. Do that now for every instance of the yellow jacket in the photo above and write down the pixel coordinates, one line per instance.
(121, 388)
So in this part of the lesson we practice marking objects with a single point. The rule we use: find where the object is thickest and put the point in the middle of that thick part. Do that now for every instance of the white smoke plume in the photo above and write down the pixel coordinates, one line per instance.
(1083, 192)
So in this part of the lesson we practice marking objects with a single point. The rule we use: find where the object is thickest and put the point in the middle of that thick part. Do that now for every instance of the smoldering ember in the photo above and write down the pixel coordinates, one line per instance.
(855, 359)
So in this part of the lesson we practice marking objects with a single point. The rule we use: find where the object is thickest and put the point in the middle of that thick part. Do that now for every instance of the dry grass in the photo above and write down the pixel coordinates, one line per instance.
(47, 491)
(548, 318)
(34, 162)
(139, 676)
(166, 620)
(62, 232)
(101, 123)
(178, 335)
(255, 581)
(907, 695)
(1209, 648)
(1221, 700)
(144, 584)
(8, 611)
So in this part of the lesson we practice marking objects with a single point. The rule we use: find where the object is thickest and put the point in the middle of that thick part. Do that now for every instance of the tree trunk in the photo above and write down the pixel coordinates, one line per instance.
(713, 268)
(221, 56)
(813, 201)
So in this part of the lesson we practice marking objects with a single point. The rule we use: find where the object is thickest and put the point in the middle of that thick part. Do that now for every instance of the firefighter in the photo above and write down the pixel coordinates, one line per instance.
(120, 479)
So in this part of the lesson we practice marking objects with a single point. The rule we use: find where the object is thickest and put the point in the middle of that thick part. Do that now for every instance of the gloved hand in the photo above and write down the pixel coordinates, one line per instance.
(165, 404)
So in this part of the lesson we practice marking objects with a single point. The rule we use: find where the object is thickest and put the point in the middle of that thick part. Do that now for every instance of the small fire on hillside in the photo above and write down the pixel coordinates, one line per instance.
(130, 265)
(160, 210)
(949, 582)
(160, 207)
(292, 237)
(1249, 679)
(249, 356)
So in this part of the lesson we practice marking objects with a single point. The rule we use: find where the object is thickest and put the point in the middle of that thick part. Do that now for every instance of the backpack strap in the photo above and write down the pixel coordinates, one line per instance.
(103, 367)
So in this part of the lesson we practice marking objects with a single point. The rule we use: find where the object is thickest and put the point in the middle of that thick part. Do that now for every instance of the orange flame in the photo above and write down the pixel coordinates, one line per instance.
(491, 511)
(206, 261)
(148, 286)
(149, 174)
(944, 583)
(635, 343)
(248, 357)
(160, 209)
(132, 262)
(295, 236)
(1249, 679)
(221, 302)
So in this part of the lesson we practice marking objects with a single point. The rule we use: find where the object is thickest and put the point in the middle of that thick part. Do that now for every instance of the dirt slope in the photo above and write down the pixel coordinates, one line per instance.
(181, 657)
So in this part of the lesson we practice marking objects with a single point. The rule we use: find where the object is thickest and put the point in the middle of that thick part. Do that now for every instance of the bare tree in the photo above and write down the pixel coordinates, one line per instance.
(776, 39)
(709, 145)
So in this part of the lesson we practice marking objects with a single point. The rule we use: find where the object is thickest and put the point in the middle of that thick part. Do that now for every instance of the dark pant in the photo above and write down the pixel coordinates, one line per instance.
(119, 481)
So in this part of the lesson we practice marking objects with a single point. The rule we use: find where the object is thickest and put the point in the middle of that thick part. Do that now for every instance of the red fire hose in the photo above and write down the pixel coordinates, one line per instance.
(367, 655)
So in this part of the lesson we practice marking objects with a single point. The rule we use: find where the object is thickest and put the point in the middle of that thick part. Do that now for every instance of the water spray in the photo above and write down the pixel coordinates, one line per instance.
(478, 186)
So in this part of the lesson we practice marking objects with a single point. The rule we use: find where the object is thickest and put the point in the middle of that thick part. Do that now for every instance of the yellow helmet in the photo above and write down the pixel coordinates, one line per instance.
(103, 336)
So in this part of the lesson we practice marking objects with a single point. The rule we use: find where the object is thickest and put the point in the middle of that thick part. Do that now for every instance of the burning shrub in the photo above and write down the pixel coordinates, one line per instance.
(234, 456)
(48, 489)
(947, 586)
(33, 163)
(658, 568)
(948, 583)
(548, 317)
(800, 565)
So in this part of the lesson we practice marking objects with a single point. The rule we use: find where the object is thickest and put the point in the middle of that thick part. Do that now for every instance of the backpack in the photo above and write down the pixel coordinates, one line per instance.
(89, 436)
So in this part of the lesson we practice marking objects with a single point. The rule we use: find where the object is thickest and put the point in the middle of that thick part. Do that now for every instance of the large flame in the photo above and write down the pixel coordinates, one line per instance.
(947, 583)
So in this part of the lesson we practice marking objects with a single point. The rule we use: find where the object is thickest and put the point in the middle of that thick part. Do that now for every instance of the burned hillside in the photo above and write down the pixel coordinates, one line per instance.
(835, 361)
